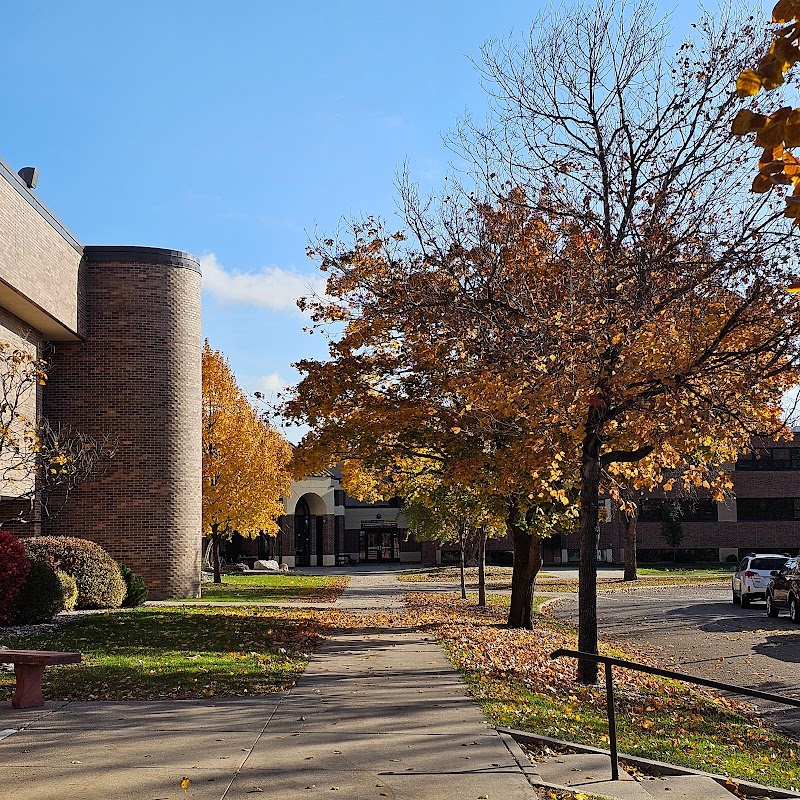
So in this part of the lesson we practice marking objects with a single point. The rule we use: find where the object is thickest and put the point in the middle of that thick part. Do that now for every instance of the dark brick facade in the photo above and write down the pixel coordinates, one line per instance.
(136, 377)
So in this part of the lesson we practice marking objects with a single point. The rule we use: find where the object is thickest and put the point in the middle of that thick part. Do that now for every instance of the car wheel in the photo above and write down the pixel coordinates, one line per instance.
(794, 610)
(772, 609)
(744, 599)
(735, 598)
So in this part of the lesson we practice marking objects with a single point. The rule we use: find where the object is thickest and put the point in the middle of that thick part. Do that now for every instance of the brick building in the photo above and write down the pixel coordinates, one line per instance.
(323, 526)
(120, 329)
(763, 515)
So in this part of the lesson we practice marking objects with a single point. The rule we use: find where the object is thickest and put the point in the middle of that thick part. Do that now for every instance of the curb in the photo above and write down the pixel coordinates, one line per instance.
(757, 789)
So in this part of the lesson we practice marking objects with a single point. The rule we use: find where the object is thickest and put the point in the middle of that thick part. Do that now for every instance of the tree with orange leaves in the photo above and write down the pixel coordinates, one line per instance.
(683, 339)
(245, 460)
(609, 313)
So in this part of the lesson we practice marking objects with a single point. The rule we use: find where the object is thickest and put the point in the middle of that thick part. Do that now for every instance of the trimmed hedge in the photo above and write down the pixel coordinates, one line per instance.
(14, 570)
(41, 597)
(136, 594)
(100, 582)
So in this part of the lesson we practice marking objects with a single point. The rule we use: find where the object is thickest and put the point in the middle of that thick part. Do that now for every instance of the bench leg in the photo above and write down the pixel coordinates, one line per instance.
(28, 692)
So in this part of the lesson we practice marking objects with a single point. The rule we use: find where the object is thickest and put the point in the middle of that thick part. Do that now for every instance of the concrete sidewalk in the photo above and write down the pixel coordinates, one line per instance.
(376, 714)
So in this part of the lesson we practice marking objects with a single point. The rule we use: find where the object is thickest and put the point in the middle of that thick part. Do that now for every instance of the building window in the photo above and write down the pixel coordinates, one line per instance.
(698, 509)
(768, 508)
(769, 459)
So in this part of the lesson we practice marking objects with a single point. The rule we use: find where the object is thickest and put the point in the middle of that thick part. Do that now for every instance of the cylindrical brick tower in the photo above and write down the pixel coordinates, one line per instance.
(137, 378)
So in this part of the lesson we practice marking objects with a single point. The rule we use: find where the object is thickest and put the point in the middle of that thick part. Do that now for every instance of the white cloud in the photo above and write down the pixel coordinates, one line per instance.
(272, 287)
(272, 383)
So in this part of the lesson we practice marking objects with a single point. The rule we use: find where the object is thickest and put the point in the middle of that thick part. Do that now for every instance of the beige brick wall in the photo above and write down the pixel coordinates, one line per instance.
(36, 260)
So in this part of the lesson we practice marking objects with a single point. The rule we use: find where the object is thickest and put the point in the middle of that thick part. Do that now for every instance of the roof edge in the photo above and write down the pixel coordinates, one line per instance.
(132, 254)
(38, 206)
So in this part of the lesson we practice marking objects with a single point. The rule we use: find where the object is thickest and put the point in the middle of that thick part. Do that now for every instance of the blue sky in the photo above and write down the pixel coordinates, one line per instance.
(234, 130)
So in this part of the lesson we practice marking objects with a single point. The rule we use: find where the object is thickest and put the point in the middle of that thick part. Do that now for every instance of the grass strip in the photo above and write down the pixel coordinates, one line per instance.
(510, 674)
(175, 653)
(500, 578)
(275, 588)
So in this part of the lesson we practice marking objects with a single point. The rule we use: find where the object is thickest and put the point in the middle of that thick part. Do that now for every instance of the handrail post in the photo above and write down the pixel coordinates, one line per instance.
(612, 723)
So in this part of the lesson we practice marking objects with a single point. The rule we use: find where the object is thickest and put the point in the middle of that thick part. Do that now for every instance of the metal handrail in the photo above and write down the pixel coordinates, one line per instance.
(664, 673)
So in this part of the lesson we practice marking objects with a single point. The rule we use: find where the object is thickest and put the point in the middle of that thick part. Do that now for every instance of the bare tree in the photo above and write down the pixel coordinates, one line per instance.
(40, 465)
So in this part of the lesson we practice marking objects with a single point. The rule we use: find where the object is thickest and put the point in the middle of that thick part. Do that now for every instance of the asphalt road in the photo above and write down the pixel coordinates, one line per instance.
(699, 631)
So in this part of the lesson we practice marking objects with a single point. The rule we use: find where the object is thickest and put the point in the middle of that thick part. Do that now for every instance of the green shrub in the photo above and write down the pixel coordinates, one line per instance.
(41, 597)
(100, 583)
(69, 590)
(136, 594)
(14, 569)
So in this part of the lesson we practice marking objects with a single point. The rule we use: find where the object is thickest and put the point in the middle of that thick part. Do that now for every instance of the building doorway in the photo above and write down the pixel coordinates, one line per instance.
(320, 522)
(302, 534)
(379, 544)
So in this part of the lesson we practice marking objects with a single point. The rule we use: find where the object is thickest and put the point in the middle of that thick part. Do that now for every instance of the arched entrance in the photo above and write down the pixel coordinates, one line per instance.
(309, 522)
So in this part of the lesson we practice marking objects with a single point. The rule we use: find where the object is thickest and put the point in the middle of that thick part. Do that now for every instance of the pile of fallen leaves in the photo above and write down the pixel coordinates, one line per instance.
(510, 673)
(485, 647)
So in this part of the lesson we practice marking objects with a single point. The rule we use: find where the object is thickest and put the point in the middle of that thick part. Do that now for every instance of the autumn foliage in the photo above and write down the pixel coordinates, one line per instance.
(605, 313)
(244, 460)
(778, 133)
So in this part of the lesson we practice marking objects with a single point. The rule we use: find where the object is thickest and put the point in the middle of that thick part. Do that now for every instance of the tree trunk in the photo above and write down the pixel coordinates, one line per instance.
(482, 567)
(462, 543)
(587, 574)
(630, 546)
(215, 538)
(527, 561)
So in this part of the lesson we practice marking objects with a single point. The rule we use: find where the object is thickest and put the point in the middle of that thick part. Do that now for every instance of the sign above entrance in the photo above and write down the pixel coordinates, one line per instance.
(378, 523)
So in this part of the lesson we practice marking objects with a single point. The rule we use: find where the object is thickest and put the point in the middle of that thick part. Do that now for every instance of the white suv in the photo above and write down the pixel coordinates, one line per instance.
(754, 572)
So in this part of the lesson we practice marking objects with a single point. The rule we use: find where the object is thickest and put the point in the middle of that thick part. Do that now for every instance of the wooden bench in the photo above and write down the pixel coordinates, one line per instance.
(29, 667)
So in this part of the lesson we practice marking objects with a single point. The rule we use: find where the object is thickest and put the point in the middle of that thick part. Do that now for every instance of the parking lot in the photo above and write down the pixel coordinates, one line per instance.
(701, 632)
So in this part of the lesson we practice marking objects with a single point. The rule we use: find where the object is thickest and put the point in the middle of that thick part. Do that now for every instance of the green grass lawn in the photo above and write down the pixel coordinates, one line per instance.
(722, 570)
(175, 652)
(551, 581)
(275, 588)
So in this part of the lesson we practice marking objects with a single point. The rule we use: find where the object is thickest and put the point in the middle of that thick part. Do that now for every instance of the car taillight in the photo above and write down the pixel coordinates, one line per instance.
(750, 574)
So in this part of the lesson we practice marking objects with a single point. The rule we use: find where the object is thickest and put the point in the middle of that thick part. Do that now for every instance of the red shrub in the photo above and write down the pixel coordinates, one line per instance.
(14, 569)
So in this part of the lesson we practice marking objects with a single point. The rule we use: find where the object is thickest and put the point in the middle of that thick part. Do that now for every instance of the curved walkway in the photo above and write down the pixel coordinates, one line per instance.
(377, 713)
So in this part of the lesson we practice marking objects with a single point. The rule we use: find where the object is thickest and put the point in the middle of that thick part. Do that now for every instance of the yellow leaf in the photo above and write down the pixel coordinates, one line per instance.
(785, 52)
(771, 135)
(770, 70)
(185, 784)
(791, 135)
(748, 84)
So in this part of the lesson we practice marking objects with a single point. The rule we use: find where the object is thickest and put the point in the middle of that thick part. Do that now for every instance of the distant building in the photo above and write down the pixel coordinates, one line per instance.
(120, 328)
(323, 526)
(763, 516)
